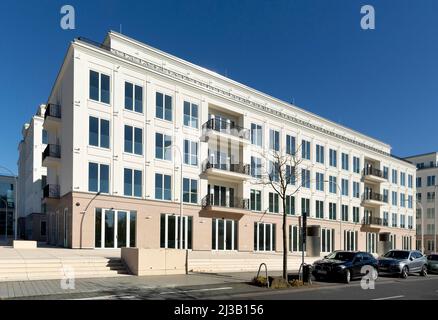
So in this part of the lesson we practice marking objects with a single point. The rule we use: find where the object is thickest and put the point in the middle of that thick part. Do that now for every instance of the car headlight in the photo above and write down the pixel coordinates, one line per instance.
(340, 267)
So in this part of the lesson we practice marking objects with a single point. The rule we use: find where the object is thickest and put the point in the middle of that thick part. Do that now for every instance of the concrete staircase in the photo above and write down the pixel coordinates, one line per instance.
(241, 261)
(60, 268)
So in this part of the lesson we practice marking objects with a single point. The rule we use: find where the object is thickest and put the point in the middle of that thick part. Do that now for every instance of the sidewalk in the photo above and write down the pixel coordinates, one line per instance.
(20, 289)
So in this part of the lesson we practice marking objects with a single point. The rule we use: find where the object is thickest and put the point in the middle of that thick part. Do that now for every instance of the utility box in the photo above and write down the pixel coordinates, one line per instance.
(313, 246)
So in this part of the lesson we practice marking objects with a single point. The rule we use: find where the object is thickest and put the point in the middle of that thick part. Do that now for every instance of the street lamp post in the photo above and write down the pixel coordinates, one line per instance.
(181, 194)
(16, 199)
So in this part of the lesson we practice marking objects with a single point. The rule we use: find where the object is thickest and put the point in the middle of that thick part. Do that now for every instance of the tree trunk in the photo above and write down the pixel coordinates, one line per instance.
(284, 240)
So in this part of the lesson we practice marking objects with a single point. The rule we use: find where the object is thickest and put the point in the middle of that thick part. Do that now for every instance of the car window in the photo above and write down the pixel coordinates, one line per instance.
(433, 257)
(417, 254)
(358, 257)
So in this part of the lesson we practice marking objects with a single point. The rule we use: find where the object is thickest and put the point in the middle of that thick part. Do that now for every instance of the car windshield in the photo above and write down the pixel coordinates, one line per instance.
(397, 254)
(433, 257)
(342, 256)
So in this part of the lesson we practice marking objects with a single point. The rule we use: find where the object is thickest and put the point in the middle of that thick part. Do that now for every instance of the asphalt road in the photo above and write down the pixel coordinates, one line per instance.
(386, 288)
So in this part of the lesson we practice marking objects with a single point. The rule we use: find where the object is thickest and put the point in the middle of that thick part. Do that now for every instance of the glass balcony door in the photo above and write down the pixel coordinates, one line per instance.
(222, 196)
(224, 234)
(112, 229)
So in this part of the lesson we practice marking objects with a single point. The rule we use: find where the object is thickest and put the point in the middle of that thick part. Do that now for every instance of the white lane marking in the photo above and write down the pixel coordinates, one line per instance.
(197, 290)
(388, 298)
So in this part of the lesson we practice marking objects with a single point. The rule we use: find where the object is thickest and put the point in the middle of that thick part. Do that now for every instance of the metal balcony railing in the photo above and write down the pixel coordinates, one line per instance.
(52, 150)
(53, 110)
(231, 167)
(374, 196)
(51, 191)
(226, 127)
(373, 172)
(230, 202)
(373, 221)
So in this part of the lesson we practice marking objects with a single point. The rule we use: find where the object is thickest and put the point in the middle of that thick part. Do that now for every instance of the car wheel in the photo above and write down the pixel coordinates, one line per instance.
(347, 276)
(404, 273)
(423, 271)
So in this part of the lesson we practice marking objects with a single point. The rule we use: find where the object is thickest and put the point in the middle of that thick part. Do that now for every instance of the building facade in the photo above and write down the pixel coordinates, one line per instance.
(32, 178)
(7, 207)
(123, 119)
(426, 186)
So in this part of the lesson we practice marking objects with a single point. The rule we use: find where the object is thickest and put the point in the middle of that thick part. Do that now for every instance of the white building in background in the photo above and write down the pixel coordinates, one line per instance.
(427, 188)
(31, 178)
(111, 183)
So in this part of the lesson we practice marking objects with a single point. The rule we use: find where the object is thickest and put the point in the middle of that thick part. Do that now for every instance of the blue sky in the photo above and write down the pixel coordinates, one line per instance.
(383, 83)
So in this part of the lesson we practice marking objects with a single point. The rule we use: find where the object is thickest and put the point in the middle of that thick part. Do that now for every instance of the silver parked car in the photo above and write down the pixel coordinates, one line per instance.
(402, 262)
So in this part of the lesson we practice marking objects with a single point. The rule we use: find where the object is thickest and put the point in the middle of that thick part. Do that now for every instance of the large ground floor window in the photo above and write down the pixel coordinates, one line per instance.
(170, 230)
(393, 240)
(327, 240)
(371, 242)
(264, 236)
(350, 240)
(224, 234)
(407, 243)
(295, 237)
(115, 228)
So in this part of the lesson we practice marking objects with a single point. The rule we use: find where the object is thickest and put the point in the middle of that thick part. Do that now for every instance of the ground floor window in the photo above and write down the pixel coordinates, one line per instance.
(418, 245)
(406, 242)
(327, 240)
(115, 228)
(350, 240)
(371, 246)
(224, 234)
(393, 240)
(170, 230)
(264, 236)
(295, 244)
(430, 245)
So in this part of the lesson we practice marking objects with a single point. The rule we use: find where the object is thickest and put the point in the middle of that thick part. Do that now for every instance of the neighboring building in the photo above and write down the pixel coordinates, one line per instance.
(111, 183)
(427, 185)
(32, 178)
(7, 207)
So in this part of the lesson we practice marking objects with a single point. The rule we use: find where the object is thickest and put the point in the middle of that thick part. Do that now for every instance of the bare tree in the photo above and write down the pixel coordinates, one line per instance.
(282, 173)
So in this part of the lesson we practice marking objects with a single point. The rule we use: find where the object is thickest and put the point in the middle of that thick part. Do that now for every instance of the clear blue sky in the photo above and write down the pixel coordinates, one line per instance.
(383, 83)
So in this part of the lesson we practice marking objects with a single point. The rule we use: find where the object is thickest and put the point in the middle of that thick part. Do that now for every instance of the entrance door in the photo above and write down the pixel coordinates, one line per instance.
(115, 228)
(109, 231)
(121, 228)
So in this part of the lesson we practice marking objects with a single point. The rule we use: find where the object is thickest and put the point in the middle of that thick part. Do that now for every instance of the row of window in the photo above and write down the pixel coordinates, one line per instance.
(430, 181)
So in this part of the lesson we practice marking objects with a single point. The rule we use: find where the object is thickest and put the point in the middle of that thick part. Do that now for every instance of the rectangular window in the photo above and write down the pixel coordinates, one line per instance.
(410, 181)
(170, 229)
(394, 198)
(274, 140)
(264, 236)
(385, 172)
(319, 154)
(274, 171)
(295, 243)
(133, 97)
(371, 242)
(356, 165)
(385, 218)
(163, 187)
(344, 185)
(332, 184)
(319, 209)
(162, 144)
(344, 209)
(430, 181)
(98, 132)
(402, 200)
(385, 195)
(305, 207)
(190, 152)
(273, 202)
(163, 106)
(356, 189)
(256, 200)
(190, 114)
(319, 181)
(418, 182)
(224, 234)
(356, 214)
(133, 140)
(256, 134)
(133, 182)
(350, 240)
(394, 176)
(290, 145)
(290, 175)
(332, 211)
(305, 178)
(402, 179)
(190, 190)
(99, 87)
(256, 167)
(333, 158)
(290, 205)
(402, 221)
(98, 177)
(410, 202)
(345, 160)
(327, 240)
(305, 149)
(394, 222)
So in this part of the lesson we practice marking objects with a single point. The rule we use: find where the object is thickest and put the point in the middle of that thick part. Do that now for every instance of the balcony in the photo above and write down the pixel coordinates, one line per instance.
(51, 191)
(224, 129)
(233, 208)
(374, 222)
(227, 171)
(373, 175)
(373, 199)
(52, 117)
(51, 155)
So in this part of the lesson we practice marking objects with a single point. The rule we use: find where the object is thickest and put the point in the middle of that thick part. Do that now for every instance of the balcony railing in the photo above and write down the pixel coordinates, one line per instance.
(373, 172)
(233, 202)
(374, 196)
(51, 191)
(53, 110)
(231, 167)
(52, 150)
(373, 221)
(227, 127)
(427, 166)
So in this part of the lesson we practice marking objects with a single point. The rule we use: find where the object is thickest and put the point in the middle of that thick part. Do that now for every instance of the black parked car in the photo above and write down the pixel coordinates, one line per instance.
(344, 265)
